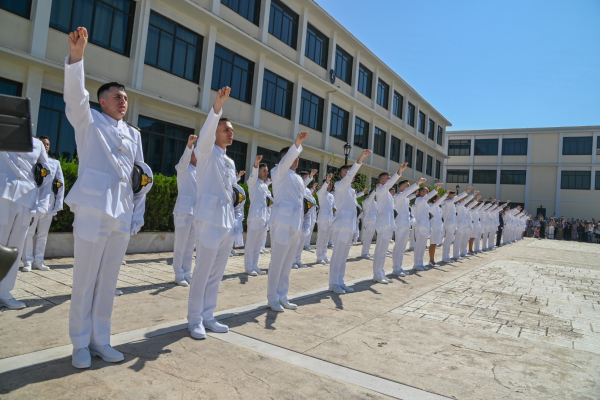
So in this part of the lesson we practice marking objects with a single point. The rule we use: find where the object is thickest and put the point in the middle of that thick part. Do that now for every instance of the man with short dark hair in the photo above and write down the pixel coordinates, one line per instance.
(260, 202)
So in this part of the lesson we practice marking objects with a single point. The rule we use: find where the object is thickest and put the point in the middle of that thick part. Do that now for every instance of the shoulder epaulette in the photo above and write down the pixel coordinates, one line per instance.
(133, 126)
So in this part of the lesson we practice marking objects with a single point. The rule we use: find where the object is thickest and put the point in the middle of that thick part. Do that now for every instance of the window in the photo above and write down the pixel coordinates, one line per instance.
(419, 161)
(283, 23)
(486, 147)
(438, 169)
(440, 134)
(277, 95)
(109, 22)
(575, 180)
(429, 166)
(311, 110)
(379, 143)
(459, 147)
(270, 157)
(383, 93)
(431, 129)
(577, 145)
(19, 7)
(173, 48)
(237, 152)
(514, 147)
(408, 153)
(597, 180)
(410, 118)
(53, 122)
(339, 123)
(163, 144)
(249, 9)
(421, 126)
(484, 176)
(343, 65)
(457, 176)
(317, 46)
(365, 80)
(234, 71)
(398, 103)
(512, 177)
(361, 133)
(307, 165)
(395, 149)
(10, 88)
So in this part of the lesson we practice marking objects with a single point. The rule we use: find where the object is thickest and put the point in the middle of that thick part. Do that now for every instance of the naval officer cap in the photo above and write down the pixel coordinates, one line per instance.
(141, 178)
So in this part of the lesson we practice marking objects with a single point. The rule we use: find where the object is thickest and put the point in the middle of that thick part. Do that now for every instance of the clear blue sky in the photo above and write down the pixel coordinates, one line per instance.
(488, 64)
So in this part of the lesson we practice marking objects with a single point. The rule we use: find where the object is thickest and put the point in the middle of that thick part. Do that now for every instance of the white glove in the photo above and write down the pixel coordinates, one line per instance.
(135, 228)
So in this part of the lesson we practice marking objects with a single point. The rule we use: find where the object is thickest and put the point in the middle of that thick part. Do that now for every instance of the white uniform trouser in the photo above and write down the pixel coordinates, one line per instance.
(356, 232)
(183, 246)
(213, 246)
(299, 248)
(100, 245)
(413, 238)
(478, 231)
(35, 254)
(263, 239)
(422, 233)
(323, 236)
(257, 229)
(14, 221)
(491, 237)
(384, 235)
(283, 251)
(465, 240)
(368, 231)
(309, 236)
(342, 239)
(449, 233)
(458, 239)
(399, 248)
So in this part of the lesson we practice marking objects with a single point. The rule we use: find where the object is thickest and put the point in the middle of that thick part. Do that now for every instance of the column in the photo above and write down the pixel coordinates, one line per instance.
(560, 151)
(472, 150)
(405, 112)
(355, 67)
(332, 47)
(529, 149)
(498, 182)
(327, 120)
(500, 150)
(302, 25)
(415, 148)
(558, 182)
(371, 138)
(134, 111)
(33, 91)
(252, 153)
(594, 151)
(323, 172)
(40, 21)
(417, 109)
(374, 88)
(391, 100)
(296, 101)
(206, 68)
(215, 6)
(471, 175)
(388, 147)
(138, 43)
(265, 12)
(258, 89)
(351, 131)
(527, 183)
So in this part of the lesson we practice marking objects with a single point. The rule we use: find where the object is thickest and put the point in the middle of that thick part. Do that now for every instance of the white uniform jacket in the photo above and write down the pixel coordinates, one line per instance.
(107, 149)
(288, 189)
(461, 213)
(326, 205)
(369, 218)
(436, 211)
(449, 209)
(187, 195)
(258, 191)
(385, 204)
(345, 201)
(421, 210)
(56, 201)
(402, 204)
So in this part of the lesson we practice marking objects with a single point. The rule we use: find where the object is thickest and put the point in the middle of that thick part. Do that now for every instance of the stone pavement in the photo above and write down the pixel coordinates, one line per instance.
(522, 321)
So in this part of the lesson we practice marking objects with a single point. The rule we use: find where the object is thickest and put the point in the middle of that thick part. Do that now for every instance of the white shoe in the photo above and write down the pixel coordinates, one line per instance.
(367, 257)
(295, 266)
(322, 262)
(389, 253)
(81, 358)
(327, 260)
(259, 271)
(330, 246)
(188, 279)
(381, 280)
(348, 289)
(182, 282)
(261, 251)
(400, 273)
(106, 353)
(12, 304)
(308, 248)
(41, 266)
(265, 251)
(288, 305)
(447, 260)
(251, 273)
(234, 253)
(276, 307)
(300, 265)
(337, 289)
(420, 268)
(215, 326)
(26, 268)
(118, 292)
(197, 331)
(430, 265)
(123, 262)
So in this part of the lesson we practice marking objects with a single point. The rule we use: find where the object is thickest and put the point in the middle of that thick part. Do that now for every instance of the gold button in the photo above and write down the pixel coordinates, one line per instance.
(121, 164)
(19, 178)
(119, 150)
(122, 137)
(19, 156)
(228, 201)
(121, 179)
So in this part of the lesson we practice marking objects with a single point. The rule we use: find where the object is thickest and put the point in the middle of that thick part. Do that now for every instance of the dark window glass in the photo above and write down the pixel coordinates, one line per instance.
(19, 7)
(249, 9)
(459, 147)
(419, 161)
(429, 166)
(53, 122)
(173, 48)
(484, 176)
(307, 165)
(283, 23)
(421, 126)
(575, 180)
(317, 46)
(438, 169)
(512, 177)
(514, 147)
(270, 157)
(398, 104)
(578, 146)
(365, 80)
(597, 180)
(311, 110)
(234, 71)
(277, 95)
(395, 149)
(361, 133)
(379, 142)
(343, 65)
(486, 147)
(457, 176)
(440, 134)
(410, 118)
(431, 129)
(10, 88)
(109, 22)
(383, 93)
(408, 155)
(339, 123)
(237, 152)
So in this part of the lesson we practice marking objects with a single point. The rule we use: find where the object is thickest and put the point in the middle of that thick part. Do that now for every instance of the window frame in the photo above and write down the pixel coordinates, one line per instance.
(459, 151)
(28, 12)
(383, 93)
(347, 59)
(582, 176)
(249, 78)
(243, 152)
(462, 175)
(597, 179)
(256, 20)
(398, 105)
(419, 160)
(517, 144)
(311, 31)
(440, 135)
(339, 114)
(485, 176)
(579, 141)
(365, 77)
(379, 141)
(429, 165)
(18, 85)
(320, 110)
(287, 108)
(485, 146)
(410, 114)
(421, 122)
(288, 14)
(408, 155)
(395, 148)
(438, 169)
(514, 175)
(365, 128)
(431, 129)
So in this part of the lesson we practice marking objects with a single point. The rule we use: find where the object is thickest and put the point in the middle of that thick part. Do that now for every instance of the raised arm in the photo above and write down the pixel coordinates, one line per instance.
(459, 196)
(77, 98)
(347, 180)
(207, 135)
(253, 178)
(45, 190)
(186, 157)
(441, 199)
(288, 159)
(58, 204)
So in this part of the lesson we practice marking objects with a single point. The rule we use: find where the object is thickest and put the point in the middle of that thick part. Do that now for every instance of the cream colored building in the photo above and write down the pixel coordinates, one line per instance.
(553, 171)
(279, 56)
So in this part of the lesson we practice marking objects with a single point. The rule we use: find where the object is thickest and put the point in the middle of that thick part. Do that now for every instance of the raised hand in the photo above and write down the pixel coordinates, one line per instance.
(439, 185)
(478, 197)
(222, 97)
(402, 168)
(475, 193)
(313, 172)
(469, 189)
(365, 154)
(191, 140)
(329, 178)
(422, 181)
(240, 174)
(257, 161)
(77, 41)
(301, 138)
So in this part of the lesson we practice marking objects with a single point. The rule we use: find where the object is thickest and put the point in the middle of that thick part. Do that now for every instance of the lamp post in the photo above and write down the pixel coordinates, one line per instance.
(347, 148)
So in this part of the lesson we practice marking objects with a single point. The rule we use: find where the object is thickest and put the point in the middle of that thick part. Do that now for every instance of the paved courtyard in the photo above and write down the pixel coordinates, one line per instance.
(520, 322)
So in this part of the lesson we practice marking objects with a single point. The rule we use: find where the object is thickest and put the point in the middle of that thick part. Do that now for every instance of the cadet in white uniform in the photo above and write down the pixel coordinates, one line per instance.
(325, 218)
(286, 224)
(34, 255)
(401, 205)
(20, 200)
(369, 220)
(215, 218)
(461, 225)
(106, 209)
(437, 226)
(263, 249)
(477, 227)
(358, 218)
(306, 219)
(421, 213)
(238, 212)
(260, 203)
(183, 214)
(449, 214)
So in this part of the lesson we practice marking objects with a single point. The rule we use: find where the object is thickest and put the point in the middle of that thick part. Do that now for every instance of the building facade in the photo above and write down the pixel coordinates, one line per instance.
(290, 65)
(550, 171)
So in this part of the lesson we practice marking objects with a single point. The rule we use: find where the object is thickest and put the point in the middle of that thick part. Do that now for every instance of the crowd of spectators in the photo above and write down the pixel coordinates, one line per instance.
(563, 229)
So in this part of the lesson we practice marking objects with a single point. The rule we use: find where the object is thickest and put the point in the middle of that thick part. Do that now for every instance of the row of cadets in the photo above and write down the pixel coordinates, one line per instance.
(437, 226)
(369, 220)
(258, 216)
(325, 218)
(402, 224)
(33, 255)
